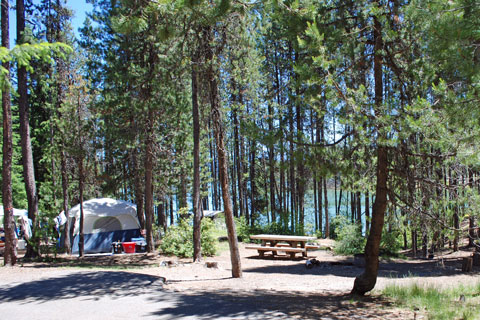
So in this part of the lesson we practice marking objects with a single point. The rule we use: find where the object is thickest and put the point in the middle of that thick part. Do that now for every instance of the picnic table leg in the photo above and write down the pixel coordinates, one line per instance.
(273, 244)
(261, 253)
(304, 254)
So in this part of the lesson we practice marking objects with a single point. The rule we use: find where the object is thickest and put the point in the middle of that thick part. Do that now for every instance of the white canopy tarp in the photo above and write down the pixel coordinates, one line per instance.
(21, 216)
(16, 212)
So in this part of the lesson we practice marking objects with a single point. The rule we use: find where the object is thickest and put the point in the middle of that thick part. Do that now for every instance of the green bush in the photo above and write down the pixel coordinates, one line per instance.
(243, 229)
(349, 237)
(391, 242)
(179, 239)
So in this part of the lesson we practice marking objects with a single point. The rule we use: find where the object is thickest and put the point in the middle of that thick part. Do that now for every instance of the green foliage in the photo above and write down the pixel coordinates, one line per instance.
(437, 303)
(243, 229)
(23, 54)
(349, 237)
(179, 239)
(391, 242)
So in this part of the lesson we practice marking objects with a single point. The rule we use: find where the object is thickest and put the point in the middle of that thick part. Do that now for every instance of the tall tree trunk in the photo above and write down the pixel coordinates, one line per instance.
(253, 186)
(149, 179)
(367, 280)
(301, 171)
(222, 159)
(197, 205)
(358, 209)
(367, 212)
(66, 228)
(10, 251)
(271, 164)
(27, 154)
(238, 160)
(81, 177)
(320, 205)
(139, 199)
(327, 218)
(292, 172)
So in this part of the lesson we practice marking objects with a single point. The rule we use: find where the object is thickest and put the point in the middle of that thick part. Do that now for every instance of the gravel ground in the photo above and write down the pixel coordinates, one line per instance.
(150, 286)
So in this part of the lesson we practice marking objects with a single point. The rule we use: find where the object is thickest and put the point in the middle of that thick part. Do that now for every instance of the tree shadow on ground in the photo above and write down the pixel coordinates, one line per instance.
(122, 261)
(161, 303)
(85, 284)
(263, 304)
(346, 268)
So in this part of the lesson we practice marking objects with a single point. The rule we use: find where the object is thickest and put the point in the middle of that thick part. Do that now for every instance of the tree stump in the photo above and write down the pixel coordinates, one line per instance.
(467, 264)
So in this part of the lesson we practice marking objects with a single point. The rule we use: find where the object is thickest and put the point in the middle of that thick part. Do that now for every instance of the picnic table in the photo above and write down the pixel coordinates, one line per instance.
(283, 243)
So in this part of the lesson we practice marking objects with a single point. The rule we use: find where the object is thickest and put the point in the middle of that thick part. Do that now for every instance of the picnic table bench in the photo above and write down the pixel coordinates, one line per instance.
(288, 244)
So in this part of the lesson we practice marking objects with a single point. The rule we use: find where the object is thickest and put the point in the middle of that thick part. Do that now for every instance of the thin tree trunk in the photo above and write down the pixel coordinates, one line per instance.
(414, 242)
(10, 251)
(358, 209)
(253, 187)
(27, 154)
(81, 239)
(197, 205)
(63, 171)
(271, 164)
(327, 218)
(139, 198)
(367, 280)
(222, 160)
(367, 212)
(238, 160)
(320, 205)
(149, 180)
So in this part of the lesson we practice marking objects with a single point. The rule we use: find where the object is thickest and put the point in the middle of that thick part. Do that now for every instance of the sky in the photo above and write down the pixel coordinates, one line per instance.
(79, 8)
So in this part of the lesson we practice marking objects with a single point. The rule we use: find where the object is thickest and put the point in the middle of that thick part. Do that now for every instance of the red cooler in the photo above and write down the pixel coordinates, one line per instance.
(128, 247)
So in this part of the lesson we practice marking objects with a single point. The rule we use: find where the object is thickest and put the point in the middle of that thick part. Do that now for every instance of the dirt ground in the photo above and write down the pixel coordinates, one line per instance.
(272, 286)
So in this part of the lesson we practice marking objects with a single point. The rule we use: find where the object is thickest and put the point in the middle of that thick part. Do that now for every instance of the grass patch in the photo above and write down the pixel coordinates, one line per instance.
(461, 302)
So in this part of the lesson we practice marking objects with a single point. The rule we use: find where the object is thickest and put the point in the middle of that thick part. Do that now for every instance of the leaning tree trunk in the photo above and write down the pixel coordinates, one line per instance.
(197, 203)
(27, 154)
(10, 251)
(222, 160)
(367, 280)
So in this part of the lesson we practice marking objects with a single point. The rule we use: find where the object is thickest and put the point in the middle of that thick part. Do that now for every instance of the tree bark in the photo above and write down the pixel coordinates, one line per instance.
(271, 164)
(81, 177)
(149, 180)
(367, 280)
(66, 228)
(10, 251)
(327, 218)
(367, 212)
(253, 185)
(27, 154)
(197, 204)
(222, 160)
(139, 197)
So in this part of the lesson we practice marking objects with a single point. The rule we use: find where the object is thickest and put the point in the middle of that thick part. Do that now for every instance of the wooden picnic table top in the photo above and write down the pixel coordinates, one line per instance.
(276, 237)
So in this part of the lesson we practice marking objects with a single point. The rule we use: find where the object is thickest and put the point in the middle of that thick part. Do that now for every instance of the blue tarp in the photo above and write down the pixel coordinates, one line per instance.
(102, 241)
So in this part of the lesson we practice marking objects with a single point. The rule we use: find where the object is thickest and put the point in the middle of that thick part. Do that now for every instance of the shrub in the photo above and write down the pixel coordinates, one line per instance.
(179, 239)
(391, 242)
(349, 237)
(243, 229)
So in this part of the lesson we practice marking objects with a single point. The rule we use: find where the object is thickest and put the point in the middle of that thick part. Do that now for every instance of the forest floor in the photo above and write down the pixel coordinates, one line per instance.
(168, 287)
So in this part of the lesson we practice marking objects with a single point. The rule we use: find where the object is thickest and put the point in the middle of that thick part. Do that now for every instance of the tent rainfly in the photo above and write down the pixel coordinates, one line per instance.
(105, 221)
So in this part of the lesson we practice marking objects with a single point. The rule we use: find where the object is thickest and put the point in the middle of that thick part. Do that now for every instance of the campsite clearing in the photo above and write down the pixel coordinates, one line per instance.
(166, 287)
